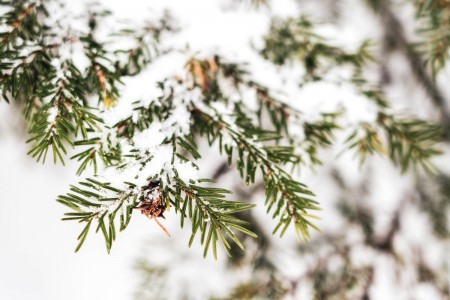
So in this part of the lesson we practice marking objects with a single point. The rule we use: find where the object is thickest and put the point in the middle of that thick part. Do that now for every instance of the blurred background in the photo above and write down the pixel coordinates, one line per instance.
(384, 234)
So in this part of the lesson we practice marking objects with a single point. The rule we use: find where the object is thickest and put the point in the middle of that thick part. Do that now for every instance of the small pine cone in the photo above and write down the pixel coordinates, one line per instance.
(152, 204)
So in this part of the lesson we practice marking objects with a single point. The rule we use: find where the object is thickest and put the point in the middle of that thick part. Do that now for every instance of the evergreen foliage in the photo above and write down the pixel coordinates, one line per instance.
(434, 20)
(151, 153)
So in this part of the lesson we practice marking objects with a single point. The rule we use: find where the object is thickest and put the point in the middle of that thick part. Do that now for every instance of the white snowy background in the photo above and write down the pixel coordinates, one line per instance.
(36, 248)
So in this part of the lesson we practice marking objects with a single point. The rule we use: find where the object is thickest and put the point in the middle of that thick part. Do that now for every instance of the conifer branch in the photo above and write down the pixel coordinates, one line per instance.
(415, 54)
(150, 152)
(434, 19)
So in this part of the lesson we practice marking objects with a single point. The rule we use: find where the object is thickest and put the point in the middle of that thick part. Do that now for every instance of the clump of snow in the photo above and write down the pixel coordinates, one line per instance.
(296, 128)
(120, 111)
(155, 157)
(186, 171)
(57, 65)
(149, 138)
(52, 114)
(249, 98)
